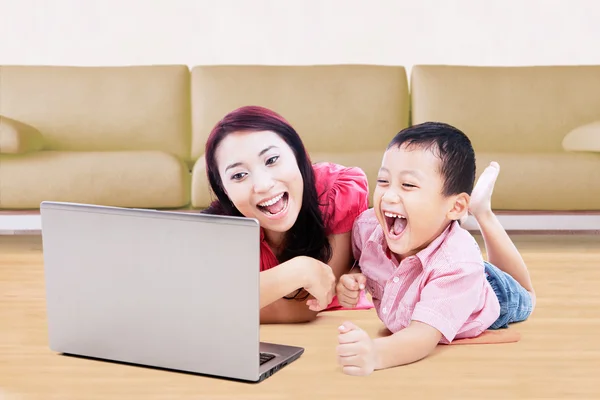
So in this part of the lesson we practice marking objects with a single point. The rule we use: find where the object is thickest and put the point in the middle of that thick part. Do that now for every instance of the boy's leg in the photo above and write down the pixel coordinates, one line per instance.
(516, 303)
(500, 249)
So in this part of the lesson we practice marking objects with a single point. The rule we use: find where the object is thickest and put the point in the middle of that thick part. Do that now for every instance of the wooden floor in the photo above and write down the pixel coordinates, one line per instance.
(558, 356)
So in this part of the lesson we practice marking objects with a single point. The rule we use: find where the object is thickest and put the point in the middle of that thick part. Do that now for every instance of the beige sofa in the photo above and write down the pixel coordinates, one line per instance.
(107, 135)
(134, 136)
(542, 124)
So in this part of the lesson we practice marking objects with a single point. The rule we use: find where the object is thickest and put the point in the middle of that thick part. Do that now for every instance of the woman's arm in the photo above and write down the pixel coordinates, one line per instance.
(285, 311)
(282, 280)
(301, 272)
(342, 259)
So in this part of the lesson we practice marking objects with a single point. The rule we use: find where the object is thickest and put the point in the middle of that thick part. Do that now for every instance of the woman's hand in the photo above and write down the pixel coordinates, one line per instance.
(315, 277)
(319, 282)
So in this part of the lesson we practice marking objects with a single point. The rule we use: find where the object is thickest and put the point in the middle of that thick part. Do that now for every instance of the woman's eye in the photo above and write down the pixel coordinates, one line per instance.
(271, 160)
(408, 185)
(238, 176)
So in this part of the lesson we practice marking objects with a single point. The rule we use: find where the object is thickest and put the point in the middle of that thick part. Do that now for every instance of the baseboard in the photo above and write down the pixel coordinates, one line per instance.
(515, 222)
(522, 222)
(20, 224)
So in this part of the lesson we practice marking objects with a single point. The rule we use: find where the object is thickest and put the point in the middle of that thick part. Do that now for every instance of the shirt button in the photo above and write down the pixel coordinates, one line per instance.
(396, 279)
(384, 310)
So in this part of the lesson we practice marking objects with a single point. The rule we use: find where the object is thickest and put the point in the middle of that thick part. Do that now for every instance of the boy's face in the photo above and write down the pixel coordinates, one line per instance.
(409, 201)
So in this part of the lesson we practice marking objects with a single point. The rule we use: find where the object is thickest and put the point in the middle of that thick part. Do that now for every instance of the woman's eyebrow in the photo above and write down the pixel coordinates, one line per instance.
(263, 151)
(237, 164)
(266, 149)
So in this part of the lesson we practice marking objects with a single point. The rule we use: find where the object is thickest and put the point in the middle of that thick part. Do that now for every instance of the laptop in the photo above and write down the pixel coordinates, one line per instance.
(171, 290)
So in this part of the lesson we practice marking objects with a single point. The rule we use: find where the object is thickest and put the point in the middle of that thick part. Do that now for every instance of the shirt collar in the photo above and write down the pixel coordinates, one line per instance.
(424, 255)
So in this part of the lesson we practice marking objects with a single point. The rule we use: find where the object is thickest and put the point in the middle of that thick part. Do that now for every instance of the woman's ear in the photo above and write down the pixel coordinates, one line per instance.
(460, 206)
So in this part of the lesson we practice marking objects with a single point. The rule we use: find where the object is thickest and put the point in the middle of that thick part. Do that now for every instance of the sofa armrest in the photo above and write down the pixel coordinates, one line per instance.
(19, 138)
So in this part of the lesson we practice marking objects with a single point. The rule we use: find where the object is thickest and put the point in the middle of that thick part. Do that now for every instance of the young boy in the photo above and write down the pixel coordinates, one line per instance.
(426, 274)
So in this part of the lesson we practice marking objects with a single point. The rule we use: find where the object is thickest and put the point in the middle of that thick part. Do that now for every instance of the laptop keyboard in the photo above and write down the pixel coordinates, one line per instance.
(264, 357)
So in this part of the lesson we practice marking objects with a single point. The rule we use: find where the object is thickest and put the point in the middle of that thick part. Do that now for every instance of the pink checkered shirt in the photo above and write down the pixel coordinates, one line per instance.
(444, 285)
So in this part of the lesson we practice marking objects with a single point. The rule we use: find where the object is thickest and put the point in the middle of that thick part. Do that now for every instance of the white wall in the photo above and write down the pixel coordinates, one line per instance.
(124, 32)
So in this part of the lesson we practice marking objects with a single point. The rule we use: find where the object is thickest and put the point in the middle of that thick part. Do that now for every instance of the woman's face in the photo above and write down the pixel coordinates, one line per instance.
(260, 175)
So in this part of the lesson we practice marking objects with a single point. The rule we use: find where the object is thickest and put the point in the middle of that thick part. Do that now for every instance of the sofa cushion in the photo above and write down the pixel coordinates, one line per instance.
(334, 108)
(18, 138)
(201, 193)
(102, 108)
(544, 181)
(583, 138)
(143, 179)
(512, 109)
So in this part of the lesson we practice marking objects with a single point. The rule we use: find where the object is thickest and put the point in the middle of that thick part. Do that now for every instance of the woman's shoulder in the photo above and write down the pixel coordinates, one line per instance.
(328, 174)
(343, 194)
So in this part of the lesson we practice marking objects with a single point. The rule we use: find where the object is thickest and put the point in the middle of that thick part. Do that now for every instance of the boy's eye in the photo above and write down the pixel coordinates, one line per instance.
(271, 160)
(382, 181)
(408, 185)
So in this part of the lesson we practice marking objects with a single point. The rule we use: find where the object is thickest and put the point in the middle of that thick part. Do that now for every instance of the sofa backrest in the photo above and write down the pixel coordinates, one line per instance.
(102, 108)
(334, 108)
(513, 109)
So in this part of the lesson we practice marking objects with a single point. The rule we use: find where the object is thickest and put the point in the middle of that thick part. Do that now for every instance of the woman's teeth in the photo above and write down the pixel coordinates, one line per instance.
(274, 206)
(271, 202)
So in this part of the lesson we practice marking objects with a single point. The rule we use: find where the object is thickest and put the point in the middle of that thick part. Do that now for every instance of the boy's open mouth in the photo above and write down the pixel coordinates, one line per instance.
(395, 224)
(275, 205)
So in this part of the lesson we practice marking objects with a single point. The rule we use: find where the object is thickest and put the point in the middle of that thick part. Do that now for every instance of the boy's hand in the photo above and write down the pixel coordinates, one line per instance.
(356, 351)
(348, 289)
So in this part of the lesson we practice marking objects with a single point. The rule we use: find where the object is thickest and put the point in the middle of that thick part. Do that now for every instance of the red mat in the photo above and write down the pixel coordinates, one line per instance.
(492, 337)
(487, 337)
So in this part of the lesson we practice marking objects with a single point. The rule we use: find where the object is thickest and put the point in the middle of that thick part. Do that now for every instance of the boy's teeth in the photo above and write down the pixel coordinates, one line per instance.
(392, 215)
(271, 202)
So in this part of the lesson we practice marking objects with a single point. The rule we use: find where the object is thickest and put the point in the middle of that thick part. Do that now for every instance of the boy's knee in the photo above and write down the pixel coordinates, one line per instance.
(533, 299)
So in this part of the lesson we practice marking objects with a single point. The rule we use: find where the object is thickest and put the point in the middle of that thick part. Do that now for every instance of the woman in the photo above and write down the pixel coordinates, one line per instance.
(258, 168)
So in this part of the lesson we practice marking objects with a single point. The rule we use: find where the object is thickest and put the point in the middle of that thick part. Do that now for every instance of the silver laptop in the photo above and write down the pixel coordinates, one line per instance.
(172, 290)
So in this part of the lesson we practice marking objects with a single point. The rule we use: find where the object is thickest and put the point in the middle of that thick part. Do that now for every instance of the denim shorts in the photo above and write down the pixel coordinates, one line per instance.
(515, 302)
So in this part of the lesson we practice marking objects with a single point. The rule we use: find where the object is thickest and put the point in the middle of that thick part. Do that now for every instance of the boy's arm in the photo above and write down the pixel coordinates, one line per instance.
(411, 344)
(445, 304)
(358, 354)
(352, 282)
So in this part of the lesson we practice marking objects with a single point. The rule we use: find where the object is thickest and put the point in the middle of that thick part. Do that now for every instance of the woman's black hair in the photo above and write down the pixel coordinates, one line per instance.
(308, 236)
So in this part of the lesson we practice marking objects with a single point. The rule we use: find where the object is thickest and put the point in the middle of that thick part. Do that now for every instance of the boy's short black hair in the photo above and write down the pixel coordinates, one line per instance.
(451, 145)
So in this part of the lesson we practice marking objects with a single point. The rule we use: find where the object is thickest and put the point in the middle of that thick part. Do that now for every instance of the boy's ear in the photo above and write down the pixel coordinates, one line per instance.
(460, 206)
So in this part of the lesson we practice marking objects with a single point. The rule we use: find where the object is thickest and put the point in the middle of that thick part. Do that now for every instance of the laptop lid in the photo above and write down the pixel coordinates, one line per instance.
(165, 289)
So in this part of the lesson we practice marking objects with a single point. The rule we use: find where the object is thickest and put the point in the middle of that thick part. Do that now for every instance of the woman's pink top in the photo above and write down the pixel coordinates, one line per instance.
(344, 195)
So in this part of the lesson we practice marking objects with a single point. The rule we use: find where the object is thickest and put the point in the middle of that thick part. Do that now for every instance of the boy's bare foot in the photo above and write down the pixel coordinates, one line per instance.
(481, 198)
